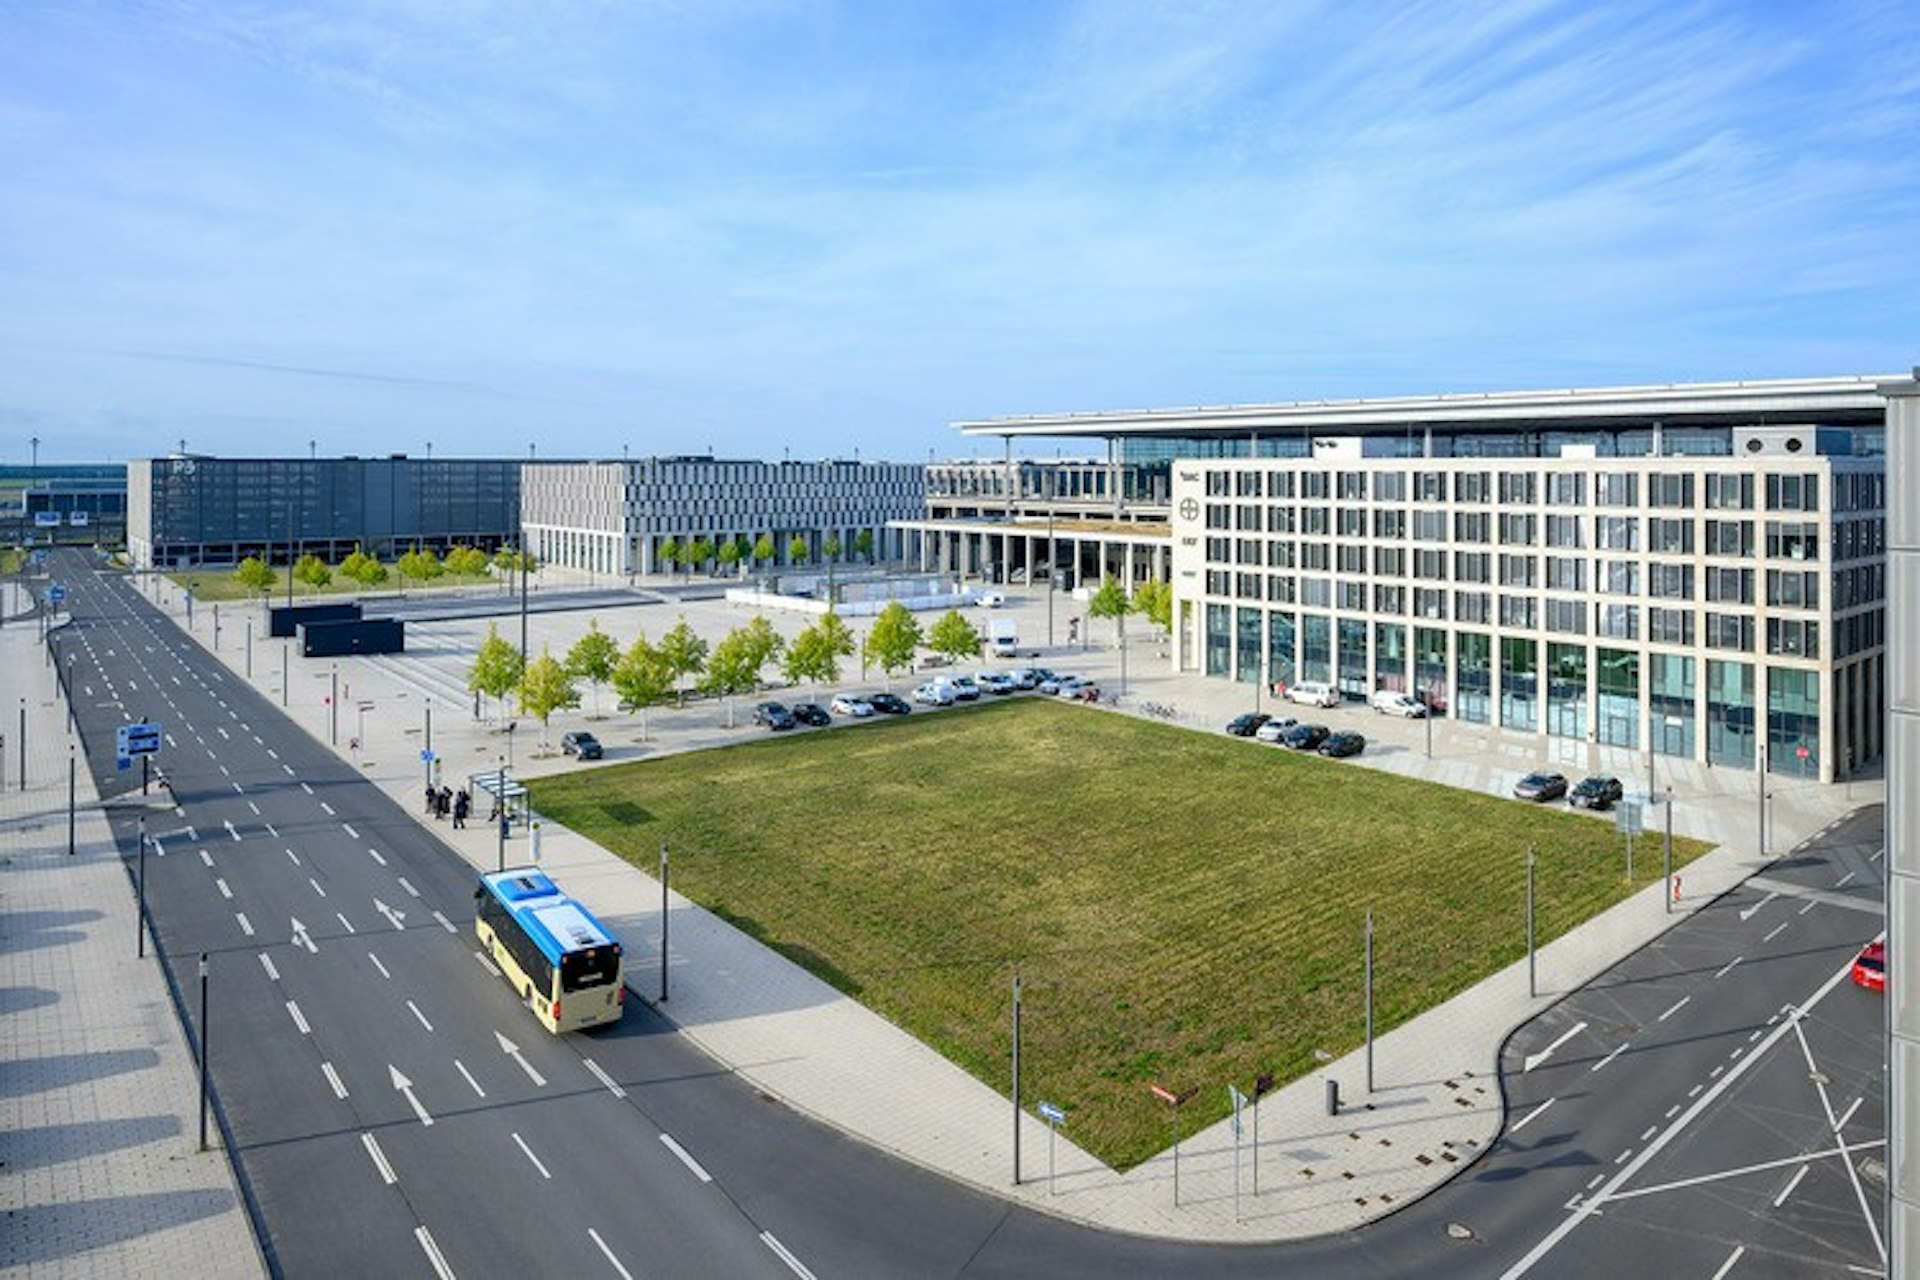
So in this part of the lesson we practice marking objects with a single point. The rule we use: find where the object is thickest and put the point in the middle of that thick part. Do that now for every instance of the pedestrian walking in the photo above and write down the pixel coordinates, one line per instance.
(433, 799)
(446, 802)
(462, 805)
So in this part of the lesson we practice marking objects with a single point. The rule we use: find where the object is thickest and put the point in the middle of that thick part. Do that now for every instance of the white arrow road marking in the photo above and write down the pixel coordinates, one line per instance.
(393, 917)
(1535, 1059)
(300, 938)
(405, 1086)
(512, 1050)
(1747, 913)
(379, 1158)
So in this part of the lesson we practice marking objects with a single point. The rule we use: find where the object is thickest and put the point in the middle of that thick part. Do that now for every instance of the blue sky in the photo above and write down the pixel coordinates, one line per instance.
(818, 227)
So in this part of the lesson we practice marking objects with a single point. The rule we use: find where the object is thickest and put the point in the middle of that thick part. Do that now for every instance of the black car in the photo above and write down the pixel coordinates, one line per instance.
(773, 715)
(889, 704)
(812, 713)
(1343, 744)
(1304, 737)
(1596, 792)
(580, 743)
(1245, 726)
(1540, 787)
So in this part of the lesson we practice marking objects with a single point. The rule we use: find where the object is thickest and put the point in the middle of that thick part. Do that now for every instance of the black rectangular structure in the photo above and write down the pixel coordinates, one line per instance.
(340, 639)
(285, 620)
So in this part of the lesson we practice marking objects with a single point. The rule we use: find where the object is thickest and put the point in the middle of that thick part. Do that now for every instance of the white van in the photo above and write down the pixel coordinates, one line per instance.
(1314, 694)
(1390, 702)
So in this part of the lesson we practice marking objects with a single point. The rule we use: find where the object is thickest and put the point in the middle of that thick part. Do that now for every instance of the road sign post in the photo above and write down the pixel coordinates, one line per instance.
(1173, 1101)
(1261, 1088)
(1053, 1116)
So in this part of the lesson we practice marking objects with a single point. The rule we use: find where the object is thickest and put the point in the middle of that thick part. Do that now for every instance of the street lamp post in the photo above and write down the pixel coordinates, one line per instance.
(249, 648)
(1667, 856)
(333, 709)
(500, 802)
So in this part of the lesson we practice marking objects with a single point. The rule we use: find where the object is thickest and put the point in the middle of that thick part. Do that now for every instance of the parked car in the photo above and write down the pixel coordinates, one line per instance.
(996, 682)
(1391, 703)
(774, 715)
(1870, 967)
(580, 743)
(888, 704)
(1304, 737)
(965, 689)
(1314, 694)
(1025, 678)
(851, 704)
(990, 599)
(1596, 792)
(1041, 675)
(812, 713)
(934, 693)
(1247, 724)
(1343, 744)
(1050, 683)
(1073, 687)
(1540, 787)
(1275, 726)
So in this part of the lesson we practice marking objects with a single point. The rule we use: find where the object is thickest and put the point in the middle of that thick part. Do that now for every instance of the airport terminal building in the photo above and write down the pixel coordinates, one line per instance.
(1696, 571)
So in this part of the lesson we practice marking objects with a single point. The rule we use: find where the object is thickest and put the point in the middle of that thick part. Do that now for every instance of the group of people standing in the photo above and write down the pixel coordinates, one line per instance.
(444, 801)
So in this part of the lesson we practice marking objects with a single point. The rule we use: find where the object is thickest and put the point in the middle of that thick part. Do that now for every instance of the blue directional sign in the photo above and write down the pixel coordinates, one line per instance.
(139, 739)
(426, 756)
(56, 593)
(1050, 1113)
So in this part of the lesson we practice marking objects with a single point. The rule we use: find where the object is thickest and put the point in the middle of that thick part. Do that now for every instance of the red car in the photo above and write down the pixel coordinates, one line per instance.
(1870, 967)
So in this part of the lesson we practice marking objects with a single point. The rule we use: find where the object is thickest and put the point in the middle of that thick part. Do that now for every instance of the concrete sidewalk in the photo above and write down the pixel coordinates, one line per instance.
(100, 1171)
(1435, 1102)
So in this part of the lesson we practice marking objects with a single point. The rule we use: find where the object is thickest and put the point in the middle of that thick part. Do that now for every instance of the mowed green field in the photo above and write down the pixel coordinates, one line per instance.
(1184, 908)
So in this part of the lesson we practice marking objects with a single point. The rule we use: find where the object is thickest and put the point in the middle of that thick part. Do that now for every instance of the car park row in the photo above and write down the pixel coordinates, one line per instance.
(941, 691)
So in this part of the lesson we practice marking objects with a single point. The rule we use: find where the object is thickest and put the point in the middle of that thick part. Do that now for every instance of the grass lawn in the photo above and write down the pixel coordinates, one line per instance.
(219, 585)
(1184, 908)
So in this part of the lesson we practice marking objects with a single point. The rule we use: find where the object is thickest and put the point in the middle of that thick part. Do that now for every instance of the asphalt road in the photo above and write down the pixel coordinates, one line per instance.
(393, 1110)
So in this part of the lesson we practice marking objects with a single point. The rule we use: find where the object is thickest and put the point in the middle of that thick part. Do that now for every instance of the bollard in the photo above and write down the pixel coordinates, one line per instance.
(1333, 1097)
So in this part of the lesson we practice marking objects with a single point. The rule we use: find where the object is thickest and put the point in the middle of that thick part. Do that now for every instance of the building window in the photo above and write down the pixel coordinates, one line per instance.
(1389, 562)
(1390, 486)
(1280, 589)
(1730, 538)
(1316, 648)
(1316, 593)
(1219, 483)
(1314, 556)
(1430, 566)
(1471, 526)
(1388, 599)
(1617, 697)
(1521, 613)
(1793, 493)
(1470, 606)
(1313, 486)
(1352, 557)
(1516, 488)
(1219, 637)
(1429, 486)
(1566, 489)
(1280, 555)
(1352, 633)
(1472, 566)
(1352, 596)
(1280, 640)
(1670, 491)
(1518, 571)
(1730, 493)
(1280, 520)
(1793, 638)
(1246, 484)
(1519, 683)
(1471, 486)
(1670, 703)
(1729, 586)
(1730, 631)
(1793, 589)
(1730, 718)
(1616, 533)
(1473, 677)
(1670, 581)
(1566, 532)
(1313, 522)
(1616, 489)
(1617, 577)
(1670, 626)
(1793, 722)
(1566, 573)
(1567, 690)
(1429, 526)
(1787, 540)
(1430, 602)
(1219, 514)
(1617, 621)
(1670, 537)
(1566, 617)
(1516, 529)
(1389, 524)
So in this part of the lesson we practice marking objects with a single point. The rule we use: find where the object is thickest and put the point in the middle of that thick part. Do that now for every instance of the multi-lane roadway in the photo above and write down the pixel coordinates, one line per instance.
(393, 1110)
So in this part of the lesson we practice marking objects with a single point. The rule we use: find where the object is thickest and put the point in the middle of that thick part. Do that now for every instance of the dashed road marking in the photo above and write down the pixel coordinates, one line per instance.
(434, 1256)
(1728, 1264)
(468, 1076)
(1792, 1182)
(246, 926)
(333, 1078)
(348, 923)
(299, 1019)
(686, 1158)
(527, 1151)
(266, 962)
(1674, 1008)
(221, 885)
(423, 1017)
(1721, 972)
(1776, 931)
(316, 886)
(618, 1092)
(1618, 1050)
(595, 1237)
(379, 1157)
(781, 1252)
(382, 968)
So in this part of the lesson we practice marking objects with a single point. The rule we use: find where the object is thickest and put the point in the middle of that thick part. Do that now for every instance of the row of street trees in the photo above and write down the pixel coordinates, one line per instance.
(703, 553)
(422, 564)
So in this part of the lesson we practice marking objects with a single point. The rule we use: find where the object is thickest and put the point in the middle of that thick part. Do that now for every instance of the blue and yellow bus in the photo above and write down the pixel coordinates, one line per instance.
(562, 961)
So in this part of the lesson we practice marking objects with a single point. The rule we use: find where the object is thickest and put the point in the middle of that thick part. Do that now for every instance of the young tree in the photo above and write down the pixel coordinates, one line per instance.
(863, 545)
(763, 643)
(729, 556)
(593, 658)
(545, 687)
(685, 654)
(496, 668)
(734, 667)
(1154, 598)
(797, 549)
(420, 565)
(894, 640)
(743, 546)
(642, 678)
(831, 548)
(466, 561)
(363, 569)
(254, 574)
(815, 653)
(763, 548)
(670, 553)
(313, 571)
(1110, 601)
(699, 553)
(954, 636)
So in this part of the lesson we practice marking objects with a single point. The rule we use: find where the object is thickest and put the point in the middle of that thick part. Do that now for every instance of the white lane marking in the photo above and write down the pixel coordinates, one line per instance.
(423, 1017)
(527, 1151)
(159, 849)
(343, 920)
(1651, 1130)
(1531, 1116)
(266, 962)
(316, 886)
(221, 730)
(1596, 1180)
(294, 856)
(1765, 1166)
(221, 885)
(1535, 1059)
(468, 1075)
(375, 855)
(246, 926)
(445, 923)
(512, 1050)
(256, 808)
(1716, 1071)
(405, 1086)
(1847, 1115)
(686, 1158)
(333, 1078)
(206, 857)
(1721, 972)
(1747, 913)
(1826, 1105)
(224, 771)
(288, 768)
(1810, 906)
(239, 790)
(271, 753)
(1589, 1206)
(780, 1252)
(273, 831)
(191, 833)
(432, 1250)
(230, 830)
(1776, 931)
(379, 1157)
(326, 806)
(491, 967)
(382, 968)
(1695, 1091)
(1732, 1258)
(1618, 1050)
(393, 917)
(618, 1092)
(1674, 1008)
(595, 1237)
(1841, 883)
(299, 1019)
(1624, 1156)
(304, 787)
(351, 833)
(408, 887)
(1672, 1111)
(1792, 1182)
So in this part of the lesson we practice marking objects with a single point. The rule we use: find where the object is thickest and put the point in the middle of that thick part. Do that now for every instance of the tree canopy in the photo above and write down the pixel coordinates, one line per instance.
(545, 687)
(593, 658)
(894, 640)
(496, 667)
(642, 678)
(255, 574)
(313, 571)
(364, 569)
(685, 654)
(954, 636)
